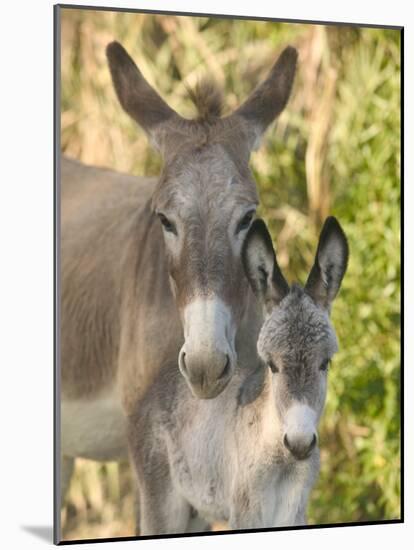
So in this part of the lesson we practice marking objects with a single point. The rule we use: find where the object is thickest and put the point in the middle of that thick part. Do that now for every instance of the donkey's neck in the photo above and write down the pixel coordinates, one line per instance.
(270, 423)
(258, 408)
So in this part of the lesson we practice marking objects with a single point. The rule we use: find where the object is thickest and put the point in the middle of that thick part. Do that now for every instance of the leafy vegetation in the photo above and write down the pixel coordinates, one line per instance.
(336, 149)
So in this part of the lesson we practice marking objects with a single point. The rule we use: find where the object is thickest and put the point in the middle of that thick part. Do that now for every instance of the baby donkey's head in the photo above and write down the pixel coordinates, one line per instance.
(297, 339)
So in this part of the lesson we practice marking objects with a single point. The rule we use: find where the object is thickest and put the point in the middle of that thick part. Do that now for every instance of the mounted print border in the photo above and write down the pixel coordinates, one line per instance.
(187, 358)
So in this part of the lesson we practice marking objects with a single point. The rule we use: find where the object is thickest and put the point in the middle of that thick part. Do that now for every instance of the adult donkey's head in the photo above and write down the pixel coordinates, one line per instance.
(206, 199)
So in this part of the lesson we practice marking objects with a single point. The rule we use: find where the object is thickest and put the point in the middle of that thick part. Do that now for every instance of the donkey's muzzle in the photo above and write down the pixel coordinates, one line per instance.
(300, 448)
(206, 374)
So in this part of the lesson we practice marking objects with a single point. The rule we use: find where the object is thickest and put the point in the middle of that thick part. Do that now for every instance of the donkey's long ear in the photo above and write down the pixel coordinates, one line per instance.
(261, 267)
(270, 97)
(330, 264)
(136, 96)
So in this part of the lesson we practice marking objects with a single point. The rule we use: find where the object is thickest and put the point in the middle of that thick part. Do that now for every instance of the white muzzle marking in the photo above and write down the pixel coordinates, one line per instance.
(300, 425)
(208, 327)
(208, 356)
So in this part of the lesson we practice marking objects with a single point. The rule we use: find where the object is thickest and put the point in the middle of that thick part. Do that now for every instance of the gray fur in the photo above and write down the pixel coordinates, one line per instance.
(299, 335)
(227, 458)
(125, 282)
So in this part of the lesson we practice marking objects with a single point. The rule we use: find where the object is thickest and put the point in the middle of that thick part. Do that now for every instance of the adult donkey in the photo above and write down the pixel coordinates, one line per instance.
(136, 293)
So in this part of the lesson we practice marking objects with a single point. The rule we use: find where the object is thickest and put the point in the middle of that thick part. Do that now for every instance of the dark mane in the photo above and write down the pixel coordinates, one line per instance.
(207, 97)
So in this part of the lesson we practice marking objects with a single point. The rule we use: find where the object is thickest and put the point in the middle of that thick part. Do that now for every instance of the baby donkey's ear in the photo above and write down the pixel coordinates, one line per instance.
(330, 264)
(261, 267)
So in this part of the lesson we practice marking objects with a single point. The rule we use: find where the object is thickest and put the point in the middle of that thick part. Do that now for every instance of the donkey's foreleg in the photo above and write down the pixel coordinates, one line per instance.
(300, 518)
(67, 464)
(245, 512)
(291, 504)
(162, 509)
(292, 494)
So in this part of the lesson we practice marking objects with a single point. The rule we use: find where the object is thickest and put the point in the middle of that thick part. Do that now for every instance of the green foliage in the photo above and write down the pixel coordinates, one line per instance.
(355, 159)
(362, 471)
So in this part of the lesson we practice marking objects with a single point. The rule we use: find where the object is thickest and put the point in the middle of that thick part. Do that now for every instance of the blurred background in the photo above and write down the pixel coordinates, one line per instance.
(334, 150)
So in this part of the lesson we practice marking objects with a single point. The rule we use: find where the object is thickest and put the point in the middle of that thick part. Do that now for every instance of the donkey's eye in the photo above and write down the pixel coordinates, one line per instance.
(245, 222)
(272, 366)
(324, 366)
(168, 225)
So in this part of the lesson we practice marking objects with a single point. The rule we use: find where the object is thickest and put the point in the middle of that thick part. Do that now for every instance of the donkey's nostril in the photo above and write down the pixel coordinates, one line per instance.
(183, 366)
(299, 450)
(206, 374)
(313, 443)
(226, 369)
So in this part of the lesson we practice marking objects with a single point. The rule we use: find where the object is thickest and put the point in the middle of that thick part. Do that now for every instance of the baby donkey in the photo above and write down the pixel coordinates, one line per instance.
(250, 456)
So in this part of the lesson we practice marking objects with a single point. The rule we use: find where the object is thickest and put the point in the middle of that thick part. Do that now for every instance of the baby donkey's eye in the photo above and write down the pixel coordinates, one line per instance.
(245, 222)
(168, 225)
(324, 365)
(272, 366)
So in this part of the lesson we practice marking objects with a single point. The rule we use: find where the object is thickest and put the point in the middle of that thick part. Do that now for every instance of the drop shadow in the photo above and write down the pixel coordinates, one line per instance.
(43, 532)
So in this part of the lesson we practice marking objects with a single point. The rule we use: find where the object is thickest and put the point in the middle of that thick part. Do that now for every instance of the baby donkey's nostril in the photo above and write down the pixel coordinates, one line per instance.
(313, 443)
(299, 450)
